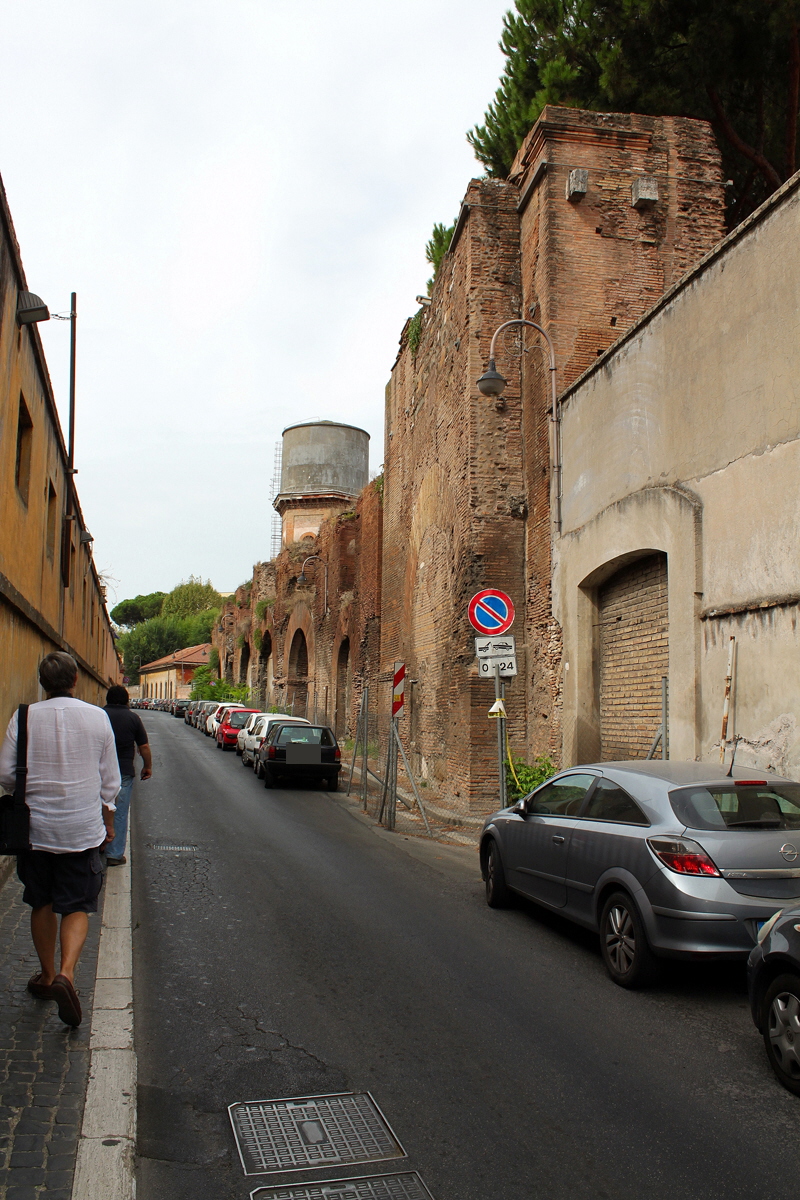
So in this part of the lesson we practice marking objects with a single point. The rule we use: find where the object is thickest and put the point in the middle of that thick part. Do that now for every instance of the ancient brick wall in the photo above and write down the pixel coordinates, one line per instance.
(469, 486)
(454, 503)
(277, 635)
(592, 265)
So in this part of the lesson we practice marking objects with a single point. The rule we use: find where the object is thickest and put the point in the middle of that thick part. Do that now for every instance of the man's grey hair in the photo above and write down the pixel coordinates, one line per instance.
(58, 672)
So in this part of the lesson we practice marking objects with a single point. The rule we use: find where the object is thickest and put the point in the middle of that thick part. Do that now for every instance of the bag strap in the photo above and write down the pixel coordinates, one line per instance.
(22, 755)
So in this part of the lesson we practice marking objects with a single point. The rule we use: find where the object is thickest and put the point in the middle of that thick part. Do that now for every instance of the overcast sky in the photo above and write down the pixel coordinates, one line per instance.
(240, 192)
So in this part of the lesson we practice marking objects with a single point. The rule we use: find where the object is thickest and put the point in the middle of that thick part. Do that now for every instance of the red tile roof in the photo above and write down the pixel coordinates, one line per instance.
(192, 656)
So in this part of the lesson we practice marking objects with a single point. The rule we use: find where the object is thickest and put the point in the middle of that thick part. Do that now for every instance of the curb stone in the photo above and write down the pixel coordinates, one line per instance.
(104, 1169)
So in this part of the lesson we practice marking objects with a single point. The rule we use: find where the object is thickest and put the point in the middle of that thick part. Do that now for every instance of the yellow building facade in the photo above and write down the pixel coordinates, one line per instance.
(51, 597)
(170, 678)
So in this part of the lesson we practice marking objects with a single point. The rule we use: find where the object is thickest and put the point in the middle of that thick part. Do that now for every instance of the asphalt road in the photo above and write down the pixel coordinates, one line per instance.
(301, 951)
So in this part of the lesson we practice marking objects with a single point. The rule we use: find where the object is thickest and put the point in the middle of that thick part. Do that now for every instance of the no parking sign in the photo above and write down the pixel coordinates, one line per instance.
(491, 611)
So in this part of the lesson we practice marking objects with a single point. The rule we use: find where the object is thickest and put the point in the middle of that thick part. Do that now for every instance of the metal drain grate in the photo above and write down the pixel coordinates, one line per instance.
(311, 1131)
(178, 846)
(368, 1187)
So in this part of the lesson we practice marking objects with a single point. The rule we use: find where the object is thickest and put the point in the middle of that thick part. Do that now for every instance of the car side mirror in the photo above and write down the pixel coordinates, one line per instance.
(521, 807)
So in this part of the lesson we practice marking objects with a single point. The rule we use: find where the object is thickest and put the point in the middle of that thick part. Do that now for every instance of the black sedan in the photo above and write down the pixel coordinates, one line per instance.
(773, 980)
(295, 753)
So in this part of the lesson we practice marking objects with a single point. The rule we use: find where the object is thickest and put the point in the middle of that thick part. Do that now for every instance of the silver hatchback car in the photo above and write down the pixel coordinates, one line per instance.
(662, 859)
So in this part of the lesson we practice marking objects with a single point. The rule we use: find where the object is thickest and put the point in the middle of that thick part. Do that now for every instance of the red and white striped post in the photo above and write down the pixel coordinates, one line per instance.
(398, 689)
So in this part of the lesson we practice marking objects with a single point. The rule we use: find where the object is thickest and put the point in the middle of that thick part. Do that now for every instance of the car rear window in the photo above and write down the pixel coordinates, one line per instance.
(238, 720)
(738, 806)
(305, 734)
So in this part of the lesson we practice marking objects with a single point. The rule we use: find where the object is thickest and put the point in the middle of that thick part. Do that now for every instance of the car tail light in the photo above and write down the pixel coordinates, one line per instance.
(271, 752)
(751, 783)
(261, 742)
(337, 754)
(682, 855)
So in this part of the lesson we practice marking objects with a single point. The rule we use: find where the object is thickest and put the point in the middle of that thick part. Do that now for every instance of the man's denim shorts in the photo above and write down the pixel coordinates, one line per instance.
(70, 882)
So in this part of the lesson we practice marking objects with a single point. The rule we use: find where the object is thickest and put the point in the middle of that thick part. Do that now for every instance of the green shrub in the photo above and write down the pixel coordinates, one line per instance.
(415, 333)
(529, 776)
(263, 607)
(258, 640)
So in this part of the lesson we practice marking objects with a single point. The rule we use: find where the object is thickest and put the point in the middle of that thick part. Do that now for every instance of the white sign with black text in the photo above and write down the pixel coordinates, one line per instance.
(492, 652)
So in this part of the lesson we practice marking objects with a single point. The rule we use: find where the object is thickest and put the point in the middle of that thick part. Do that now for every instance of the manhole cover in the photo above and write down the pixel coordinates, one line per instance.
(311, 1131)
(368, 1187)
(177, 846)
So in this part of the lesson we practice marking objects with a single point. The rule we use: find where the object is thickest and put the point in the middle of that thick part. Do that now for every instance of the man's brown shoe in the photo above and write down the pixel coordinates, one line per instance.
(42, 991)
(116, 862)
(69, 1006)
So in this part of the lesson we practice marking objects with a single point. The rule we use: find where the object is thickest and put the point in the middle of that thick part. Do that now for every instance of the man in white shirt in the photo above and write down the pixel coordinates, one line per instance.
(73, 779)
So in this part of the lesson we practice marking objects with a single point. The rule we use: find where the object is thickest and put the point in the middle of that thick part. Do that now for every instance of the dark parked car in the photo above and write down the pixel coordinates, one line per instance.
(773, 980)
(179, 708)
(294, 753)
(662, 859)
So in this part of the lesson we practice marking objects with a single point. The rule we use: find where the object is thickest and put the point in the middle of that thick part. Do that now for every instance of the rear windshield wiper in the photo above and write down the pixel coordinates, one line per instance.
(772, 823)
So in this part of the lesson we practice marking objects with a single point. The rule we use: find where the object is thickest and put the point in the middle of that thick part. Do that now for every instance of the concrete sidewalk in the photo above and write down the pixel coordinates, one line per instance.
(67, 1096)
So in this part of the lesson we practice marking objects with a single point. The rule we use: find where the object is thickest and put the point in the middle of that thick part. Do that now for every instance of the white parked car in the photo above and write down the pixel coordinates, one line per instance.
(216, 714)
(259, 728)
(247, 729)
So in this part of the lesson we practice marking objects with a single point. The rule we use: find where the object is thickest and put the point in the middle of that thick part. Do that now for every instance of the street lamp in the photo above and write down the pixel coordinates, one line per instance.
(492, 384)
(301, 578)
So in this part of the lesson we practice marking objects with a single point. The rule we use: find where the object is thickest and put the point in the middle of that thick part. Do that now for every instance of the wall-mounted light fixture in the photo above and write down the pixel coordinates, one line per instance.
(31, 309)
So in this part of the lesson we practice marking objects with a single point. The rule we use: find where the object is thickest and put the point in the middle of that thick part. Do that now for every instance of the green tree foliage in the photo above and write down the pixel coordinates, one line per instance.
(735, 63)
(160, 636)
(191, 595)
(437, 247)
(206, 686)
(141, 608)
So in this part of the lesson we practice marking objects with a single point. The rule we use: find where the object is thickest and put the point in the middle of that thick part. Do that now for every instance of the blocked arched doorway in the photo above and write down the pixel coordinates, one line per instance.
(244, 662)
(633, 656)
(298, 674)
(343, 680)
(263, 679)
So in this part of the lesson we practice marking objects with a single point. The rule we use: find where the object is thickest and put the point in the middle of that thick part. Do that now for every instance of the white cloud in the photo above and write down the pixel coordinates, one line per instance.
(240, 194)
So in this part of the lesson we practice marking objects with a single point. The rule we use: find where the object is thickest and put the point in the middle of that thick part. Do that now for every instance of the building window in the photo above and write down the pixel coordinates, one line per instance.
(24, 439)
(52, 519)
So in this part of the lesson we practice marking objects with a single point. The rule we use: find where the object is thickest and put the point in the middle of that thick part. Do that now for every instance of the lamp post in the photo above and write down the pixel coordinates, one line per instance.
(301, 578)
(492, 383)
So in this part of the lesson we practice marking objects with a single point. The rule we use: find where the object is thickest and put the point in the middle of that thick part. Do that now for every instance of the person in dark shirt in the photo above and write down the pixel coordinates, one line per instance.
(129, 733)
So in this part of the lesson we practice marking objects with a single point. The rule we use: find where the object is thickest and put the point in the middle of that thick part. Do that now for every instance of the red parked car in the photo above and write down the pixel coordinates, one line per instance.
(228, 728)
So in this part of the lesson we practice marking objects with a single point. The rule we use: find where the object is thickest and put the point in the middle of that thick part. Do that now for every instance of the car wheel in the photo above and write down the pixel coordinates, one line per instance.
(220, 746)
(498, 893)
(623, 943)
(239, 752)
(333, 783)
(782, 1030)
(245, 759)
(268, 777)
(258, 768)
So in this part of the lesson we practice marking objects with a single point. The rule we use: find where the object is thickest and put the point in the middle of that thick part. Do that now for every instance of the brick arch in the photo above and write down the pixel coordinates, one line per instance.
(301, 621)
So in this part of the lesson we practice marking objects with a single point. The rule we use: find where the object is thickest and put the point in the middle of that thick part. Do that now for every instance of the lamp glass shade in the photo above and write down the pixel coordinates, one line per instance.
(301, 578)
(31, 308)
(491, 382)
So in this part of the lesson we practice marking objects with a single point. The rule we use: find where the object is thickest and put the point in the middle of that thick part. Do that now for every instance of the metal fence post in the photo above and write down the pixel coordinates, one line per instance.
(364, 747)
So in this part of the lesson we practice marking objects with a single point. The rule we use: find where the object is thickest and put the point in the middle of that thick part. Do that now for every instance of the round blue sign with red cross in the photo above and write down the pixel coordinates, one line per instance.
(491, 611)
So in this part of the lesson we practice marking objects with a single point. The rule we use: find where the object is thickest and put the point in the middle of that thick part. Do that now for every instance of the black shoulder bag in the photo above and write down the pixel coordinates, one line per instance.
(15, 816)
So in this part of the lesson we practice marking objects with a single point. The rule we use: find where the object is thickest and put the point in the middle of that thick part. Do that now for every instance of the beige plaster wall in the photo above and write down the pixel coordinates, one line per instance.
(686, 439)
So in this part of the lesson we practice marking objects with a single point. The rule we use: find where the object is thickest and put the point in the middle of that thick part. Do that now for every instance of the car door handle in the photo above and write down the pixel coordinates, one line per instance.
(558, 840)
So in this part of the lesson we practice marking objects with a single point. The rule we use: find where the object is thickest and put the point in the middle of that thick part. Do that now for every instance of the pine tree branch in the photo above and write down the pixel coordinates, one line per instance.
(793, 102)
(763, 164)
